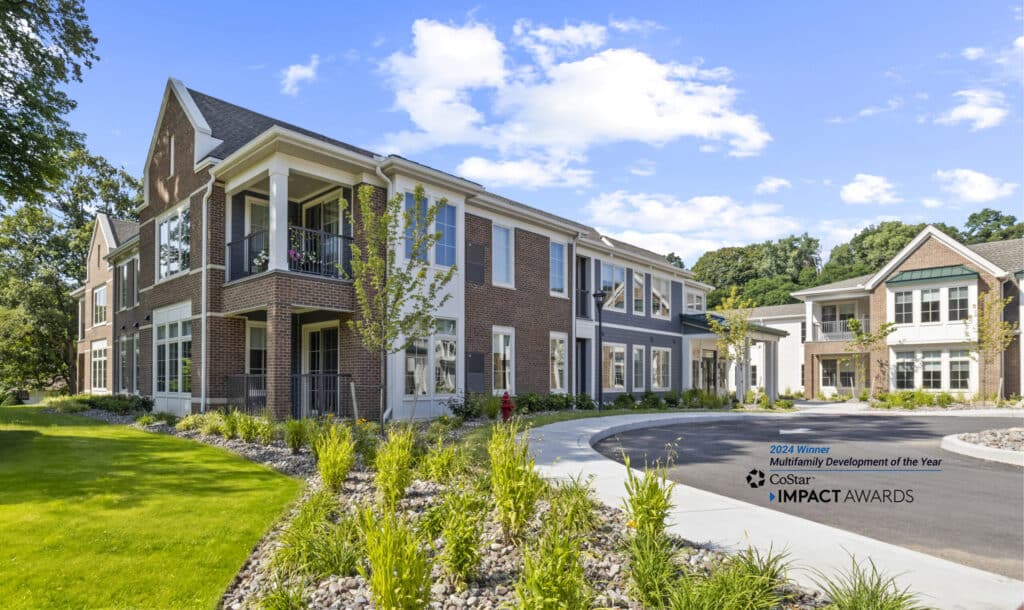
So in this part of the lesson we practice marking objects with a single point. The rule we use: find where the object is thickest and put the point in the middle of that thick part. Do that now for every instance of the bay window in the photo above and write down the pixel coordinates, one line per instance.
(613, 367)
(443, 346)
(415, 226)
(173, 250)
(416, 368)
(613, 284)
(694, 302)
(98, 361)
(829, 372)
(661, 365)
(559, 363)
(661, 297)
(123, 368)
(444, 249)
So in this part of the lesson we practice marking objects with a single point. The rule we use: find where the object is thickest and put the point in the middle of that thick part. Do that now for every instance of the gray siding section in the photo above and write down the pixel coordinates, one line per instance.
(648, 340)
(644, 321)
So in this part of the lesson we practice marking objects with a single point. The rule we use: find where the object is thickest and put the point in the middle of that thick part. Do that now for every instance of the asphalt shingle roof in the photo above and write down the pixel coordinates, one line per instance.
(123, 230)
(851, 282)
(772, 311)
(1008, 254)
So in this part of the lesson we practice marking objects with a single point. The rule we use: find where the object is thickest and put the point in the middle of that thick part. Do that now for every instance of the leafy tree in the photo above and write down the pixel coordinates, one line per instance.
(863, 345)
(872, 248)
(994, 335)
(674, 259)
(44, 44)
(396, 300)
(731, 322)
(991, 225)
(773, 290)
(761, 271)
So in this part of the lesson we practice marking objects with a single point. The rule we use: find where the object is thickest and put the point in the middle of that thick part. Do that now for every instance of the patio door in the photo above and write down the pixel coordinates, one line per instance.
(320, 392)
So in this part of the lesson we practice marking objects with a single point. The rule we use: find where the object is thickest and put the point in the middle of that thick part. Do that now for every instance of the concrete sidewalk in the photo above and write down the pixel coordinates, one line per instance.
(565, 449)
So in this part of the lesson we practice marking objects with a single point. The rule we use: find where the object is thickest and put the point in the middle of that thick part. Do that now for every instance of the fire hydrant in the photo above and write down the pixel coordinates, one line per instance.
(506, 407)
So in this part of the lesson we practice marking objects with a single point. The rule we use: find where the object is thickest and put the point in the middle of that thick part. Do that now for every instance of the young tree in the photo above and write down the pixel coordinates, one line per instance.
(733, 330)
(396, 299)
(44, 45)
(994, 335)
(860, 348)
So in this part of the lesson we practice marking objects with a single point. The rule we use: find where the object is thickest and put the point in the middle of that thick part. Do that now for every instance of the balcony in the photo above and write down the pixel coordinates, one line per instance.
(838, 330)
(310, 252)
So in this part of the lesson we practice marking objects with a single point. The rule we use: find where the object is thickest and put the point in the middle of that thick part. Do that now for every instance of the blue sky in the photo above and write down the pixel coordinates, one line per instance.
(675, 126)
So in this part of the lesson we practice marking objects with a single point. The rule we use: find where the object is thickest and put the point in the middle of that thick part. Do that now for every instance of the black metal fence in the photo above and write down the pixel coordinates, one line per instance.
(312, 395)
(249, 255)
(248, 393)
(319, 252)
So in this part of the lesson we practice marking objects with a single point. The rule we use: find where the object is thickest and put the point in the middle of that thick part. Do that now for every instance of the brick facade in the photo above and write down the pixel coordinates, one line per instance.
(98, 273)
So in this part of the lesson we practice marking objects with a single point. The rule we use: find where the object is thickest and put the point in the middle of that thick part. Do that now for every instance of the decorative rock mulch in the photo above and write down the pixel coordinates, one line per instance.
(1011, 439)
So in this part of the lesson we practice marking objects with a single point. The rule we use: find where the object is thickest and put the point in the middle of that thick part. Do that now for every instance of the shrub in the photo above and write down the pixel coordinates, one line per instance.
(652, 570)
(336, 453)
(821, 396)
(461, 525)
(444, 463)
(864, 395)
(691, 398)
(624, 401)
(439, 427)
(783, 404)
(652, 401)
(470, 406)
(366, 435)
(944, 399)
(283, 596)
(749, 397)
(66, 404)
(528, 402)
(394, 465)
(558, 402)
(397, 569)
(145, 420)
(231, 418)
(585, 403)
(121, 404)
(248, 427)
(189, 423)
(749, 580)
(212, 423)
(648, 499)
(296, 434)
(264, 429)
(321, 540)
(168, 418)
(922, 398)
(492, 407)
(573, 503)
(672, 399)
(10, 399)
(552, 575)
(764, 402)
(514, 481)
(862, 587)
(711, 400)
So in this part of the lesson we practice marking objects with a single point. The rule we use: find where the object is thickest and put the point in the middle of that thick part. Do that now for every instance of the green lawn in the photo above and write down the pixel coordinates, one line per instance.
(100, 516)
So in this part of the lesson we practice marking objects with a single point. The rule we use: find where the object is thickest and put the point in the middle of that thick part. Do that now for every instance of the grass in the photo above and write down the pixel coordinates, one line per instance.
(107, 516)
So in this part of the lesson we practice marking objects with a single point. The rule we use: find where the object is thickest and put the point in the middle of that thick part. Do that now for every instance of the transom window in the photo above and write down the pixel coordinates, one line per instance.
(959, 370)
(638, 293)
(661, 297)
(639, 357)
(501, 256)
(613, 367)
(930, 305)
(613, 284)
(904, 313)
(958, 303)
(99, 305)
(556, 268)
(559, 358)
(931, 370)
(98, 352)
(173, 249)
(174, 357)
(661, 364)
(904, 370)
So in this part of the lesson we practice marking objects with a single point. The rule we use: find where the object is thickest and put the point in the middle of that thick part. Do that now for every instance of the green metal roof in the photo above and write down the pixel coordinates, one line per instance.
(933, 274)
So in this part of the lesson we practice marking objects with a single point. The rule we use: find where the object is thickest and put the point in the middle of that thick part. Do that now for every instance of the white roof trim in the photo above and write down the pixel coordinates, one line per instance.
(944, 239)
(103, 222)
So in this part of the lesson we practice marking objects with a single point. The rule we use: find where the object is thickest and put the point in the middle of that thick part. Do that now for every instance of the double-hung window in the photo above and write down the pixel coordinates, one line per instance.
(81, 319)
(904, 370)
(930, 305)
(959, 370)
(502, 256)
(444, 249)
(256, 363)
(638, 293)
(445, 356)
(829, 372)
(137, 361)
(502, 360)
(559, 358)
(98, 361)
(173, 249)
(174, 357)
(639, 357)
(613, 284)
(694, 302)
(661, 365)
(128, 284)
(613, 367)
(958, 303)
(99, 305)
(123, 368)
(661, 297)
(931, 370)
(416, 368)
(556, 269)
(904, 308)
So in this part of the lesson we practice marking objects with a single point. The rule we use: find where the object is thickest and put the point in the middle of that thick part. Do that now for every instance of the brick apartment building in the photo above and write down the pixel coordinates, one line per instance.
(236, 297)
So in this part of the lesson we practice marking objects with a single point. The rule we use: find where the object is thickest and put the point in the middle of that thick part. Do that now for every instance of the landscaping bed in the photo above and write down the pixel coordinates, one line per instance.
(1010, 439)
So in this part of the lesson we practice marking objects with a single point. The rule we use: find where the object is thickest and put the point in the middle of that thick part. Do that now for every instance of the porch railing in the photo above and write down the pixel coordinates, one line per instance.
(582, 303)
(838, 330)
(319, 252)
(322, 394)
(247, 393)
(249, 255)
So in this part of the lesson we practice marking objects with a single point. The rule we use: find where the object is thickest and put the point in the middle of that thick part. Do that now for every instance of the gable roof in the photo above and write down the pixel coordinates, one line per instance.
(124, 230)
(850, 283)
(930, 232)
(1008, 254)
(235, 126)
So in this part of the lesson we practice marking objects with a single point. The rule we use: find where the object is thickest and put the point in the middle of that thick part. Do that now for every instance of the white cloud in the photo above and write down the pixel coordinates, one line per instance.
(1010, 62)
(983, 108)
(973, 187)
(771, 184)
(632, 24)
(642, 167)
(866, 188)
(298, 73)
(972, 53)
(460, 86)
(663, 223)
(891, 105)
(524, 173)
(931, 202)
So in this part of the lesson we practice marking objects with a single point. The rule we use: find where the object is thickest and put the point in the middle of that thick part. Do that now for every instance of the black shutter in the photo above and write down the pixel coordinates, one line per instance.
(803, 332)
(475, 265)
(475, 372)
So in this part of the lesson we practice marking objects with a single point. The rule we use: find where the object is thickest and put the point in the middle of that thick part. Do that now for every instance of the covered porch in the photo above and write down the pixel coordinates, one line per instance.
(710, 369)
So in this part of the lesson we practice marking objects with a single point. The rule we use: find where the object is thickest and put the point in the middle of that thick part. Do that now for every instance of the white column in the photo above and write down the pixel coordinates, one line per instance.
(772, 369)
(278, 218)
(809, 321)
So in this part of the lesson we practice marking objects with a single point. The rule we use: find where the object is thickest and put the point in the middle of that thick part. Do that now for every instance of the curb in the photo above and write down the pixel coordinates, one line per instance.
(953, 444)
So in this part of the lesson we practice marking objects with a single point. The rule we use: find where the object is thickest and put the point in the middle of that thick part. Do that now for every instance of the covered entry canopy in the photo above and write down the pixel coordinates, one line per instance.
(697, 328)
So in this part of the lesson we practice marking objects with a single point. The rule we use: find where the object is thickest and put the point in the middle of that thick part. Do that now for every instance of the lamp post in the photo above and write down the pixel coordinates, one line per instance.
(599, 305)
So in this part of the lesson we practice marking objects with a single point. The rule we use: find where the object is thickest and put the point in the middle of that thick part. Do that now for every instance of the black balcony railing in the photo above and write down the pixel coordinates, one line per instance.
(322, 394)
(247, 393)
(582, 303)
(319, 252)
(249, 255)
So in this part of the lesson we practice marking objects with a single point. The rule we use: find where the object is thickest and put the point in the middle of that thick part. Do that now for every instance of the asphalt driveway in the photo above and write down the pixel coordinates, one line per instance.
(965, 510)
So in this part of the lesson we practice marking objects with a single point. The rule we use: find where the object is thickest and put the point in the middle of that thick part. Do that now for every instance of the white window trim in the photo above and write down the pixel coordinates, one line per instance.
(642, 385)
(106, 306)
(643, 293)
(668, 352)
(511, 256)
(176, 210)
(248, 343)
(919, 297)
(122, 364)
(433, 228)
(81, 319)
(163, 317)
(669, 314)
(136, 366)
(432, 363)
(505, 330)
(565, 362)
(694, 297)
(625, 295)
(611, 365)
(101, 344)
(251, 200)
(565, 270)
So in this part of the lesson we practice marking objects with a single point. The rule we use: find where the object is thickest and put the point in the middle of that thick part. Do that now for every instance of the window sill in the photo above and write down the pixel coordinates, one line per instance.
(503, 285)
(558, 295)
(164, 280)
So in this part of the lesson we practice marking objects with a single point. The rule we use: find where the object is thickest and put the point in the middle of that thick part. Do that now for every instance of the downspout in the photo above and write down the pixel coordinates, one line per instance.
(571, 348)
(384, 365)
(203, 298)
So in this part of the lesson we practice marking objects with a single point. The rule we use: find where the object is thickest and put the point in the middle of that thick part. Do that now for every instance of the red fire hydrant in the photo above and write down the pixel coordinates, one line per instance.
(506, 407)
